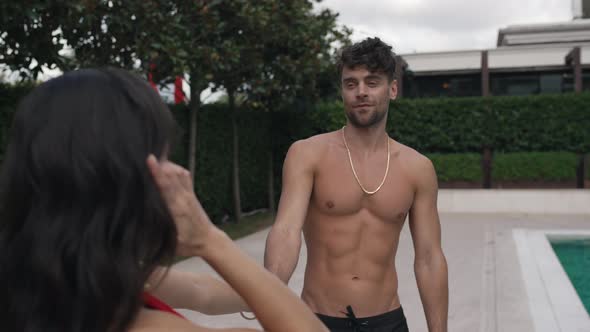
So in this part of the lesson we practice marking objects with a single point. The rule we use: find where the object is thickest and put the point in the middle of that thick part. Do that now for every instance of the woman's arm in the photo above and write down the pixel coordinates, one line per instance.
(200, 292)
(276, 306)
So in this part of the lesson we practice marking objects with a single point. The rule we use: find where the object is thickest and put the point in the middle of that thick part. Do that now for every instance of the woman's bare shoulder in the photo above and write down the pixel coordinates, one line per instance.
(153, 320)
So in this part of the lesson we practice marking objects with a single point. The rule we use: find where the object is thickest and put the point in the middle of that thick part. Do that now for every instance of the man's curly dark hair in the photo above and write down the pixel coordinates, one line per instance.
(376, 55)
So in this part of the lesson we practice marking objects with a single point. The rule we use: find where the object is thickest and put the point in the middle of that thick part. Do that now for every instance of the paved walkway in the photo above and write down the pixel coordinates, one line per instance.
(487, 293)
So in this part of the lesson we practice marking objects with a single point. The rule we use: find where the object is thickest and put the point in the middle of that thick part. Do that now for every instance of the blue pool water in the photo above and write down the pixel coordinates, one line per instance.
(574, 256)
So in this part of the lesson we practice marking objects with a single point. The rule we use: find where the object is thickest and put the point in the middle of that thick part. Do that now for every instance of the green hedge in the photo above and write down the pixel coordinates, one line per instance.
(458, 125)
(516, 166)
(547, 166)
(441, 125)
(213, 176)
(451, 131)
(457, 166)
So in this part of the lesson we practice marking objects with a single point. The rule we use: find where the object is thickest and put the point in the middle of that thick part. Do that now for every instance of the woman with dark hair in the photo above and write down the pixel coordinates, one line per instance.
(83, 224)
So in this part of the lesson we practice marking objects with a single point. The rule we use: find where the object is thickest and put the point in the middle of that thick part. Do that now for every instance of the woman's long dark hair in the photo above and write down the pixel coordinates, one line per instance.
(82, 224)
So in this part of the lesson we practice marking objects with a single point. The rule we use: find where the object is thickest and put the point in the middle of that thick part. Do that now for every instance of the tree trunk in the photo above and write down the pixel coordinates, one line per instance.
(192, 144)
(487, 167)
(196, 87)
(580, 172)
(236, 166)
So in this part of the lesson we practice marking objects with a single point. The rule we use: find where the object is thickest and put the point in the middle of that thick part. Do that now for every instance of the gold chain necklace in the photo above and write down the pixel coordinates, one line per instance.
(354, 172)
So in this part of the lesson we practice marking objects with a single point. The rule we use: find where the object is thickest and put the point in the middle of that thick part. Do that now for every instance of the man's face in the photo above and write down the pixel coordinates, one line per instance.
(366, 96)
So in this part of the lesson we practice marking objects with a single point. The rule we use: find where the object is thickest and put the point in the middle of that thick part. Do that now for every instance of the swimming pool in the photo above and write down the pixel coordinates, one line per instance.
(553, 301)
(574, 256)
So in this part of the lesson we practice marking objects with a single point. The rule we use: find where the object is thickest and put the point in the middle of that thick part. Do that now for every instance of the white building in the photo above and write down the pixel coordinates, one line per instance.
(528, 59)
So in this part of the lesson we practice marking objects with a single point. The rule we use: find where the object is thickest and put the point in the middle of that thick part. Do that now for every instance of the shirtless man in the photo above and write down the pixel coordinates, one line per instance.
(350, 191)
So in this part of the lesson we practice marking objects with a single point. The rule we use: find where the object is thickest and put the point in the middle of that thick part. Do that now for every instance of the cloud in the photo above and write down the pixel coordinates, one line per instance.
(433, 25)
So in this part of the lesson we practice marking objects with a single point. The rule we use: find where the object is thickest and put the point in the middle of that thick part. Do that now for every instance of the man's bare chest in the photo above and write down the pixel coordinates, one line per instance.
(337, 192)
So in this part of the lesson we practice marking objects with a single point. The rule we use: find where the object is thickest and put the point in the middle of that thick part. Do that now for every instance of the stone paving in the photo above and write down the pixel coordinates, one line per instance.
(487, 291)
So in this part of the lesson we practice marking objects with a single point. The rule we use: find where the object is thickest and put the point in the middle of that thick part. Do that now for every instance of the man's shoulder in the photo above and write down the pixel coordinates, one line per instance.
(314, 145)
(310, 151)
(319, 139)
(415, 161)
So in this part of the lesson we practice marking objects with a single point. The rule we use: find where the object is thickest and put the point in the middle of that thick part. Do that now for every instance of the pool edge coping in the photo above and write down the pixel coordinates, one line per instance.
(553, 302)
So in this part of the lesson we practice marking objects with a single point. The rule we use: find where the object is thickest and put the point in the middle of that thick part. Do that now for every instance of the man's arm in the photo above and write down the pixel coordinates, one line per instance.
(430, 265)
(284, 239)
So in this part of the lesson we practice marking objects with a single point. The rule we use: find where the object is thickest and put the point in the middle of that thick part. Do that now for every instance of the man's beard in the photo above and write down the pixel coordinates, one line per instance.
(375, 118)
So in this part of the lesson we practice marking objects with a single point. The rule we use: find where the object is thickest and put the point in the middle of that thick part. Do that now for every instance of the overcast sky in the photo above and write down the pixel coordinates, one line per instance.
(442, 25)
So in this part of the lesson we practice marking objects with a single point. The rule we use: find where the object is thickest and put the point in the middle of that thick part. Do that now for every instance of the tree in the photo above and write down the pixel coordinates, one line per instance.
(30, 38)
(272, 51)
(297, 64)
(132, 34)
(298, 52)
(195, 24)
(269, 50)
(239, 58)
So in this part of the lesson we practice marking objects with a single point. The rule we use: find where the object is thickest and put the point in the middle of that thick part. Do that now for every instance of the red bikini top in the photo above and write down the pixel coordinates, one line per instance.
(153, 302)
